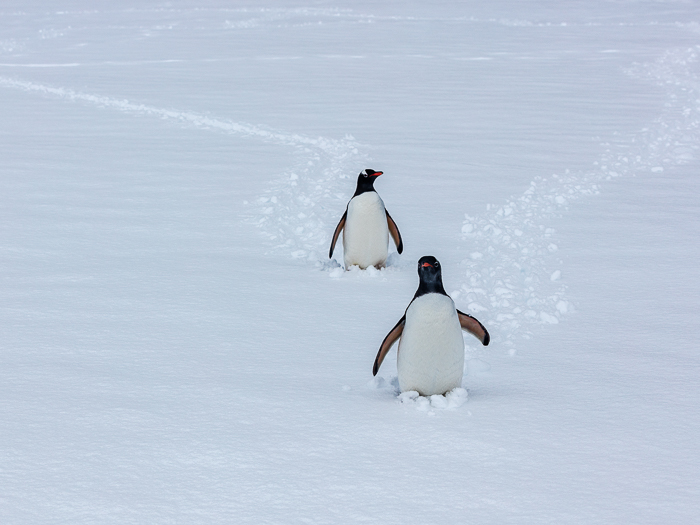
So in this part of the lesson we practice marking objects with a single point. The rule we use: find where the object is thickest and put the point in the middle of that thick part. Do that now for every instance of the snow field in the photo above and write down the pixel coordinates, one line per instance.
(175, 345)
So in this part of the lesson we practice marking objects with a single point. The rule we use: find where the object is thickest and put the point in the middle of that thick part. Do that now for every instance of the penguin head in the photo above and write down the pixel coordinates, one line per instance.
(365, 181)
(430, 274)
(429, 268)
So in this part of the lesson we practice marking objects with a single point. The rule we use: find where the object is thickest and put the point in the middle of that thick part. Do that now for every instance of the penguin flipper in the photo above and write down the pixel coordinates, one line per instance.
(389, 340)
(474, 327)
(336, 234)
(395, 234)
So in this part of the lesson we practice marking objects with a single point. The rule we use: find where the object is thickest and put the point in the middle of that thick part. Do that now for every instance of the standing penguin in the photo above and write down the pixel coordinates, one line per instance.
(431, 350)
(367, 226)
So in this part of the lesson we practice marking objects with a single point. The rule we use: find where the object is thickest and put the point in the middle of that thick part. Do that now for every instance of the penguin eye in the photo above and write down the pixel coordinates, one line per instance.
(436, 265)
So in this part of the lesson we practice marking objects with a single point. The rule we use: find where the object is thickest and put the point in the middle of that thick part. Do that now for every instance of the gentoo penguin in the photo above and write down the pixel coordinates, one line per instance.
(367, 226)
(431, 350)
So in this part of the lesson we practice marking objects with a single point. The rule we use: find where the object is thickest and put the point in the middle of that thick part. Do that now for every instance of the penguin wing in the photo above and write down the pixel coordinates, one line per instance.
(336, 234)
(474, 327)
(395, 234)
(389, 340)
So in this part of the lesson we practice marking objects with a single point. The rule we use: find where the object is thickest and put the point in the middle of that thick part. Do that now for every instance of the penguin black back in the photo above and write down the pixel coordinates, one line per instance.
(430, 275)
(365, 181)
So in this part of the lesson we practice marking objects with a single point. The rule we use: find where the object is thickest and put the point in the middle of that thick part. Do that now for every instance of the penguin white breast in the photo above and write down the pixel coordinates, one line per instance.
(366, 233)
(431, 350)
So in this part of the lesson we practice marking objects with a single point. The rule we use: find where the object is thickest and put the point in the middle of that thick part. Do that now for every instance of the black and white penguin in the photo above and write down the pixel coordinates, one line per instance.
(366, 226)
(431, 350)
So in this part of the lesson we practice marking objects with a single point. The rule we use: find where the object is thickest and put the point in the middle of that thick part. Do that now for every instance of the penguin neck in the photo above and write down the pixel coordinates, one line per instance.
(364, 186)
(433, 286)
(360, 191)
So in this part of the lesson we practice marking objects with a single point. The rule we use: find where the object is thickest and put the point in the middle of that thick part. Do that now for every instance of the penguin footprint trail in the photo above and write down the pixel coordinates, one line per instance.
(297, 212)
(513, 275)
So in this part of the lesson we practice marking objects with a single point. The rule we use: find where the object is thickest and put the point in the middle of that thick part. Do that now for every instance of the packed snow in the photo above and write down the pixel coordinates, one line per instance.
(176, 346)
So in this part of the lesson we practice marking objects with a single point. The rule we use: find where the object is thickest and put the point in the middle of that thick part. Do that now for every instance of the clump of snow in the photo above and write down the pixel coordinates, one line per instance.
(452, 400)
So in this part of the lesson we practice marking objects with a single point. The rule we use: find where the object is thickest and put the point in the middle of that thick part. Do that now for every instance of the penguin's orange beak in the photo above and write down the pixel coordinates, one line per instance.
(377, 173)
(427, 264)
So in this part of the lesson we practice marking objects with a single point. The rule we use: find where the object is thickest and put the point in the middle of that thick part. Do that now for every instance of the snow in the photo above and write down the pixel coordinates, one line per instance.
(176, 347)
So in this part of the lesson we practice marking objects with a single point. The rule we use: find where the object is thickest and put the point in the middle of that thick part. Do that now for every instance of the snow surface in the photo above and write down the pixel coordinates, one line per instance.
(176, 348)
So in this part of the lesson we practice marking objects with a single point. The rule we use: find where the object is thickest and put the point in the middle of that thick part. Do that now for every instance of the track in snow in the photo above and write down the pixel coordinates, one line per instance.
(295, 213)
(513, 276)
